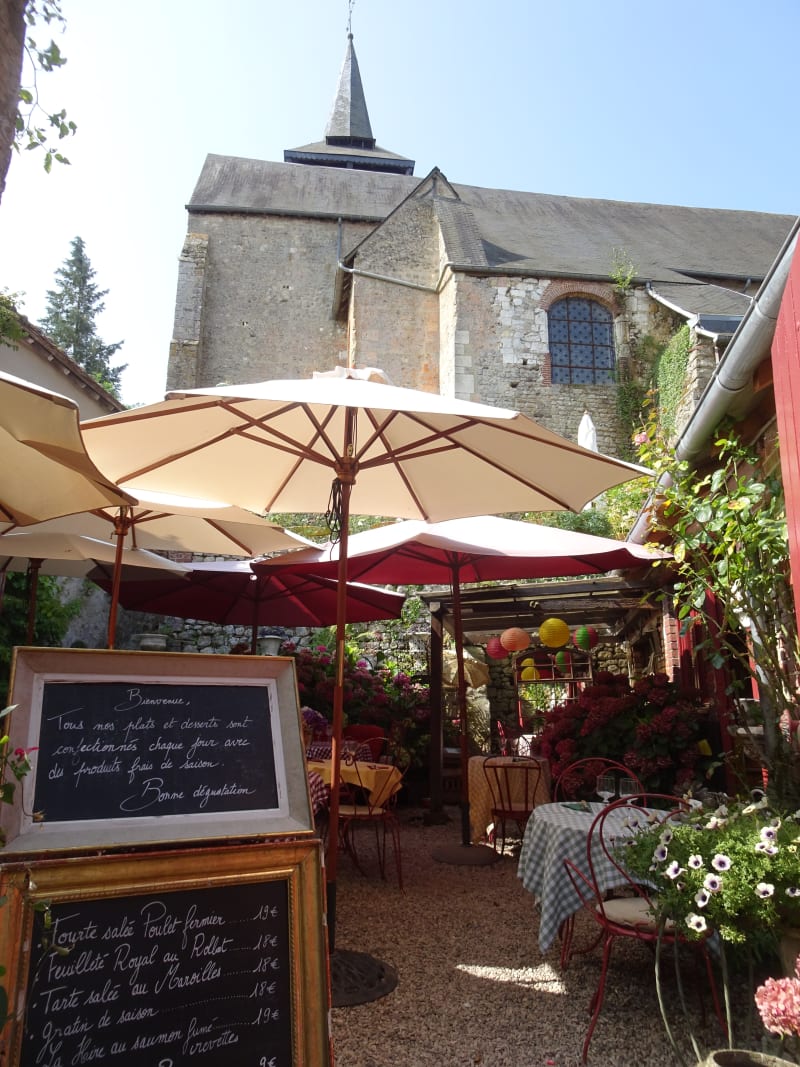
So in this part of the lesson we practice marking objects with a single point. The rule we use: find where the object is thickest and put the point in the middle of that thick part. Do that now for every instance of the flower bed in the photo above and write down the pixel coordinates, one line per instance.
(653, 727)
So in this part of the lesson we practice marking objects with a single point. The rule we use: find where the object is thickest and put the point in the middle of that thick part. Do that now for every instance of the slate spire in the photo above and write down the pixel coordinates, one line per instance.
(348, 136)
(349, 121)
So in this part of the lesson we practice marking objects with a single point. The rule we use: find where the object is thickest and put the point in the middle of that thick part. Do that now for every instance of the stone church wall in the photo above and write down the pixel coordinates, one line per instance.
(265, 286)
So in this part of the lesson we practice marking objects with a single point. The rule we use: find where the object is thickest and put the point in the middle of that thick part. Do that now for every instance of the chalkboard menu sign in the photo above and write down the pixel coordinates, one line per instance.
(138, 748)
(151, 749)
(151, 960)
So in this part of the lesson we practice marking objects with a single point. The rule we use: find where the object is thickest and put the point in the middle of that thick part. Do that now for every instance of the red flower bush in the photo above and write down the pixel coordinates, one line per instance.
(653, 727)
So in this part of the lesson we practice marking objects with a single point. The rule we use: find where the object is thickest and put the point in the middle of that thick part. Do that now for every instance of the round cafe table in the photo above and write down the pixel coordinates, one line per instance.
(557, 832)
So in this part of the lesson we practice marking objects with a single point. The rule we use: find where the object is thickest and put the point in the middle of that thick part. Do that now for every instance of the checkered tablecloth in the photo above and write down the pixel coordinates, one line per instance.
(320, 793)
(555, 833)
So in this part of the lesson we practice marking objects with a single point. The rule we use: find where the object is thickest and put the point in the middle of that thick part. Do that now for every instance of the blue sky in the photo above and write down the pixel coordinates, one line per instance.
(681, 103)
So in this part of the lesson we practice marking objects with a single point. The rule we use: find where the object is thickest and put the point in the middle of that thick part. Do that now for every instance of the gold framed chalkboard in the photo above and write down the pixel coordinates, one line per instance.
(140, 748)
(213, 955)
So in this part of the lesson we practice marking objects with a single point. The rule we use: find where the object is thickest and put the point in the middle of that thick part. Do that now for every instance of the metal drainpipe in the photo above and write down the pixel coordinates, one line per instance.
(749, 345)
(385, 277)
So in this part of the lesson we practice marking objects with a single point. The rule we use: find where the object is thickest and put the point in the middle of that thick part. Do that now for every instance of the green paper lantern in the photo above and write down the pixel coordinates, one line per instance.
(585, 638)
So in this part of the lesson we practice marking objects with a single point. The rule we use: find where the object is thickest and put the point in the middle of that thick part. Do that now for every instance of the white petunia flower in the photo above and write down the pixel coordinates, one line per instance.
(696, 922)
(674, 870)
(764, 890)
(695, 862)
(713, 883)
(702, 897)
(721, 862)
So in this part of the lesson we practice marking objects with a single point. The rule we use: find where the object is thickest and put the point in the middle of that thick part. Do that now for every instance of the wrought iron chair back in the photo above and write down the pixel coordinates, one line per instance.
(512, 784)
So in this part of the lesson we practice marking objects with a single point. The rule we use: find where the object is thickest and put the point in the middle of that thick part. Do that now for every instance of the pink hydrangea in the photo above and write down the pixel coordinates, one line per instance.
(778, 1003)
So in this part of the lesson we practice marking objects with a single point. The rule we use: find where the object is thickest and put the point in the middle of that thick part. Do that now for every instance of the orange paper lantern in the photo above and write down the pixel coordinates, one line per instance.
(514, 639)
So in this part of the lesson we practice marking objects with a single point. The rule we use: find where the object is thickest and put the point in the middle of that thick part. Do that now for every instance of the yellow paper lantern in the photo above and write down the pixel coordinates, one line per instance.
(529, 674)
(514, 639)
(529, 661)
(554, 633)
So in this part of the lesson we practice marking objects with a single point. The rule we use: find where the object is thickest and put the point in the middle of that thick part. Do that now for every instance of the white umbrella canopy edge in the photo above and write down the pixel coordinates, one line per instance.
(46, 469)
(68, 555)
(167, 523)
(412, 450)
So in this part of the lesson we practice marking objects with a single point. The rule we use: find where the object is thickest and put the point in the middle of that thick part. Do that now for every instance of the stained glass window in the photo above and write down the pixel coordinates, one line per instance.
(581, 335)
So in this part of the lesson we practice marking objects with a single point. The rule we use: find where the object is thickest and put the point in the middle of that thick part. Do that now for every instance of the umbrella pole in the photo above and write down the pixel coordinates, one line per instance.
(345, 477)
(121, 525)
(463, 726)
(33, 590)
(466, 853)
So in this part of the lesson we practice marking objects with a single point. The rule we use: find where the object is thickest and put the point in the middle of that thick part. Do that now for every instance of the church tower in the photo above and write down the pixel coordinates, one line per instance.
(348, 137)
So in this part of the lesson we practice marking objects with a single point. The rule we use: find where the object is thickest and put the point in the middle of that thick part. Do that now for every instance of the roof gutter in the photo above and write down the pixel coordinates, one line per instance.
(748, 347)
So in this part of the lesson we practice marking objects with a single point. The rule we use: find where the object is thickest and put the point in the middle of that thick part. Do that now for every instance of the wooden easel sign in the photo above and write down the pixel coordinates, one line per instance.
(214, 956)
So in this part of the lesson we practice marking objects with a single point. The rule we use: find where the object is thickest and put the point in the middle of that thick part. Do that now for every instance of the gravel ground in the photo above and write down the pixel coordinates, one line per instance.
(473, 987)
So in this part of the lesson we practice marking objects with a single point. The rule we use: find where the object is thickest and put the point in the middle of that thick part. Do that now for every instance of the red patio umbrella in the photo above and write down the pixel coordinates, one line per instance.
(477, 549)
(231, 592)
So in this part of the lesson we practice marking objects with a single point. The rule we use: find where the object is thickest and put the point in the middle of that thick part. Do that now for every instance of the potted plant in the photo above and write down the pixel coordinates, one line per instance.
(734, 870)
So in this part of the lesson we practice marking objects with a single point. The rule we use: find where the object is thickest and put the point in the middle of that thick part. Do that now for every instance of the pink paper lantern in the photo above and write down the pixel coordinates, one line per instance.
(495, 649)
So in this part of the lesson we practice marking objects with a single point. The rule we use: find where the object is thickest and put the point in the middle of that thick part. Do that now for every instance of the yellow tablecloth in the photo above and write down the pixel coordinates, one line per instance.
(371, 775)
(480, 797)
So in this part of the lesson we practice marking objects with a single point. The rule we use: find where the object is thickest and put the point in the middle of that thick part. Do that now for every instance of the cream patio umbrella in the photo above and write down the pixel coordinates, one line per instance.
(68, 555)
(46, 470)
(163, 522)
(348, 442)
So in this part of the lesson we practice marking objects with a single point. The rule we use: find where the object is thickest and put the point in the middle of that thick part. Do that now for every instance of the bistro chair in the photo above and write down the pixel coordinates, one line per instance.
(512, 784)
(578, 781)
(375, 805)
(630, 914)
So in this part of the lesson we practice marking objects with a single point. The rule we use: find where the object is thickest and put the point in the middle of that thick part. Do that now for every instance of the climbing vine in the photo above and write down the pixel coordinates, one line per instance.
(669, 379)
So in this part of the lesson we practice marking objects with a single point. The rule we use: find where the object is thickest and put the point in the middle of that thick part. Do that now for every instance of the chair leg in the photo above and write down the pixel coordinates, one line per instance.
(394, 829)
(596, 1003)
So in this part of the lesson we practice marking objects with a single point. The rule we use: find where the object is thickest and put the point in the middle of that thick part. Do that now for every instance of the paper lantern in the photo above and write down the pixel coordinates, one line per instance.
(563, 661)
(554, 633)
(514, 639)
(585, 638)
(529, 674)
(529, 661)
(495, 649)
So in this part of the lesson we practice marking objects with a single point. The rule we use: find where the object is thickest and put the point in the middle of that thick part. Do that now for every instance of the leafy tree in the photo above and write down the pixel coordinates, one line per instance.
(23, 121)
(52, 619)
(70, 319)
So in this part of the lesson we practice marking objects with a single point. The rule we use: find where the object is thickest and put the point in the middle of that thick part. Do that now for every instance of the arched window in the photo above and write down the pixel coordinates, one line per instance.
(581, 337)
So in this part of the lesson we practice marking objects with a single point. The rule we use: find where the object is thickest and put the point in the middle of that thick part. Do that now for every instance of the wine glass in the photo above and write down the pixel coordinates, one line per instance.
(605, 787)
(627, 788)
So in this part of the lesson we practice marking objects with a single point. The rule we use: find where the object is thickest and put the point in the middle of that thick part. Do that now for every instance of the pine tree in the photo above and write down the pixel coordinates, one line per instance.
(70, 319)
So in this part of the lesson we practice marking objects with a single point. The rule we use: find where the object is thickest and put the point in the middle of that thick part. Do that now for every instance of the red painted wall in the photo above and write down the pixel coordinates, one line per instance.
(786, 375)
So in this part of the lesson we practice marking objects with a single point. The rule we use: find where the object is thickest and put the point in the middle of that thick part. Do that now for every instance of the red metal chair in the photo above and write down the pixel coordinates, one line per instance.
(375, 807)
(512, 784)
(629, 915)
(578, 781)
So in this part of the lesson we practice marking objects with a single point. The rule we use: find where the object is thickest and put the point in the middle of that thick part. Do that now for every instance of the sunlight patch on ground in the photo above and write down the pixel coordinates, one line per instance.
(544, 979)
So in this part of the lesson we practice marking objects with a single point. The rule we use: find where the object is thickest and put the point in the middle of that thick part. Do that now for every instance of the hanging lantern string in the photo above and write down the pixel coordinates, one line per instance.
(333, 516)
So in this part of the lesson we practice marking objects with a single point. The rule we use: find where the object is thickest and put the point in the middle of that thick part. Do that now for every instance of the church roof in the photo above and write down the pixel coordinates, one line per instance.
(513, 232)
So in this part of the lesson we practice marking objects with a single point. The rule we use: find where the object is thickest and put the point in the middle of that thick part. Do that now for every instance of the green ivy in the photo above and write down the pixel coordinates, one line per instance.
(670, 378)
(52, 619)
